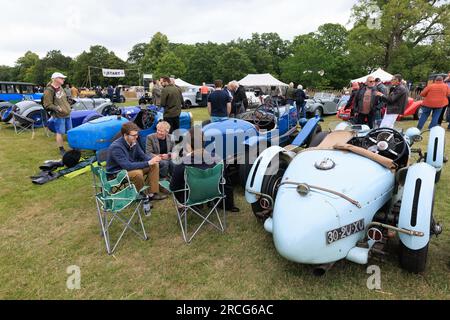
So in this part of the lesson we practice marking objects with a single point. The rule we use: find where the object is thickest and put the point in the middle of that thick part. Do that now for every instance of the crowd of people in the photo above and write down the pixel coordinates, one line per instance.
(369, 100)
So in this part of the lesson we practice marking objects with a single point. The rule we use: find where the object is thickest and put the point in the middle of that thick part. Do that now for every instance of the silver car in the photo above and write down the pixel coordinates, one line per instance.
(322, 104)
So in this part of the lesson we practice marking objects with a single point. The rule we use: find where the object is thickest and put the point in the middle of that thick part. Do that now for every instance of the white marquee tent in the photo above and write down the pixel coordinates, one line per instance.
(183, 84)
(261, 80)
(379, 73)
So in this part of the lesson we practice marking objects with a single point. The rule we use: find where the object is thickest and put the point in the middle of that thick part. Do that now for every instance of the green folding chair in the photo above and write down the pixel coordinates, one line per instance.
(202, 187)
(113, 197)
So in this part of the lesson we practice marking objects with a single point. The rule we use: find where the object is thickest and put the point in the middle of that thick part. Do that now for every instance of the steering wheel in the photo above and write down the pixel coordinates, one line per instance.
(386, 142)
(263, 115)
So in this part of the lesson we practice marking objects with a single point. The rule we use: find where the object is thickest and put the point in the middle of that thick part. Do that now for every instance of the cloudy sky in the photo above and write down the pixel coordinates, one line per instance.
(73, 26)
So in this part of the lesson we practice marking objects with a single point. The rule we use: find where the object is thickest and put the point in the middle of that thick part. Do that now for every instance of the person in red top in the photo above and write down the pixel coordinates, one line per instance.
(436, 98)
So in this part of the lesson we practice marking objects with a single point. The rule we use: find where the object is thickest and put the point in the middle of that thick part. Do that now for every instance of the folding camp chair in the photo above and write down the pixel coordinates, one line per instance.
(113, 197)
(202, 186)
(22, 123)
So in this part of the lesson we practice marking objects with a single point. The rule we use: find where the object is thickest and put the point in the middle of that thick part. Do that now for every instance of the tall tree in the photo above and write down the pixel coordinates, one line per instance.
(169, 65)
(233, 65)
(157, 47)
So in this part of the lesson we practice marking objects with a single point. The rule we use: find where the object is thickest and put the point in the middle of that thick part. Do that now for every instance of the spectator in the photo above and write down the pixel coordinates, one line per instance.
(436, 99)
(68, 91)
(161, 144)
(366, 102)
(290, 94)
(117, 93)
(172, 101)
(219, 103)
(111, 93)
(380, 86)
(74, 91)
(198, 157)
(204, 91)
(300, 101)
(395, 102)
(55, 100)
(98, 92)
(239, 104)
(126, 154)
(156, 92)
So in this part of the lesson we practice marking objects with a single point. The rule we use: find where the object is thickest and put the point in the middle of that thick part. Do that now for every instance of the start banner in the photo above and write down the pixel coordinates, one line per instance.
(113, 73)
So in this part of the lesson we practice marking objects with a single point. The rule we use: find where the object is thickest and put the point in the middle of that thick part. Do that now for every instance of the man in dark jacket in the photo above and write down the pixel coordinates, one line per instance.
(171, 101)
(300, 98)
(396, 101)
(126, 154)
(239, 104)
(366, 102)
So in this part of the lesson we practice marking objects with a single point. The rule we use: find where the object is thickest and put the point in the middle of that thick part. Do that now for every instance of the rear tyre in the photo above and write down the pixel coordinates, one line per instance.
(270, 187)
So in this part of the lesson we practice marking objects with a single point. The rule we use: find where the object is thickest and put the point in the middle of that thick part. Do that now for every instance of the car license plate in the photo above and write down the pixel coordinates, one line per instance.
(345, 231)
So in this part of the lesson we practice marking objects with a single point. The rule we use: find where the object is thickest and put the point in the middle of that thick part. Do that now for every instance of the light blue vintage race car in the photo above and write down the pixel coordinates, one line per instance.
(348, 195)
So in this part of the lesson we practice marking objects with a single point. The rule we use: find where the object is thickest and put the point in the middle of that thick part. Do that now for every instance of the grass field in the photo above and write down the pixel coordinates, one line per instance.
(45, 229)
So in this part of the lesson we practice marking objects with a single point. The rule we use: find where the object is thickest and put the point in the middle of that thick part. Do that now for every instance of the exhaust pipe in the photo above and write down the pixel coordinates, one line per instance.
(320, 270)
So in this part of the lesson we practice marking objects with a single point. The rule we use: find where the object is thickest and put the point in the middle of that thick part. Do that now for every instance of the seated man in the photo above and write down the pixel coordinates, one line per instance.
(125, 153)
(161, 144)
(198, 157)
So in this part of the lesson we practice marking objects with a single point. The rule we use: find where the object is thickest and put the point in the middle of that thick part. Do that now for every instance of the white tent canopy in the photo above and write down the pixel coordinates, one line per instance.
(261, 80)
(379, 73)
(183, 84)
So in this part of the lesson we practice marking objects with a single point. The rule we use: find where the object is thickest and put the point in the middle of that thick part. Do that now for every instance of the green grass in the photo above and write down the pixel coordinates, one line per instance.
(45, 229)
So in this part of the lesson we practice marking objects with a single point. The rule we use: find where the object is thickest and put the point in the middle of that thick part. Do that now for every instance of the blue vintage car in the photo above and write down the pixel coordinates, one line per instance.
(349, 195)
(240, 141)
(99, 133)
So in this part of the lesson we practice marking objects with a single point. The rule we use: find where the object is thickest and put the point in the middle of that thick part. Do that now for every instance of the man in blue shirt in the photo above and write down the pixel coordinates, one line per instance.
(126, 154)
(219, 103)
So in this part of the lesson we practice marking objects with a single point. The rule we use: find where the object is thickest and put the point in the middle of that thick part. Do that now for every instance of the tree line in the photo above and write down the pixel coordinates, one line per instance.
(411, 37)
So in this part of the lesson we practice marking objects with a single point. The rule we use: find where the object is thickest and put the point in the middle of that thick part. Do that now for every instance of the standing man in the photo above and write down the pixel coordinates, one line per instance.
(156, 92)
(117, 94)
(74, 91)
(290, 94)
(204, 91)
(395, 102)
(366, 102)
(300, 100)
(219, 103)
(447, 82)
(171, 101)
(111, 93)
(55, 100)
(239, 104)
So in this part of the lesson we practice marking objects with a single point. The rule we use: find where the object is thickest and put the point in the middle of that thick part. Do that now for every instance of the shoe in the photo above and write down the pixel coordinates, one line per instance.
(62, 152)
(158, 196)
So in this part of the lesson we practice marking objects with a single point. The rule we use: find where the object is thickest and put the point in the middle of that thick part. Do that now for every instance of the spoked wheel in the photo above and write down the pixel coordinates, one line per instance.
(262, 208)
(37, 117)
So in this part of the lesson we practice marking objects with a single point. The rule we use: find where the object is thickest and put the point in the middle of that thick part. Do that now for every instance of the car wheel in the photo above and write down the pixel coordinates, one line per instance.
(317, 130)
(318, 112)
(413, 260)
(270, 187)
(187, 104)
(317, 139)
(122, 99)
(7, 114)
(37, 117)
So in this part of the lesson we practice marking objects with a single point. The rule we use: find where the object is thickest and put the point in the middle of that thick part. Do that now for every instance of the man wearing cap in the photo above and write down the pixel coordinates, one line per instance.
(55, 101)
